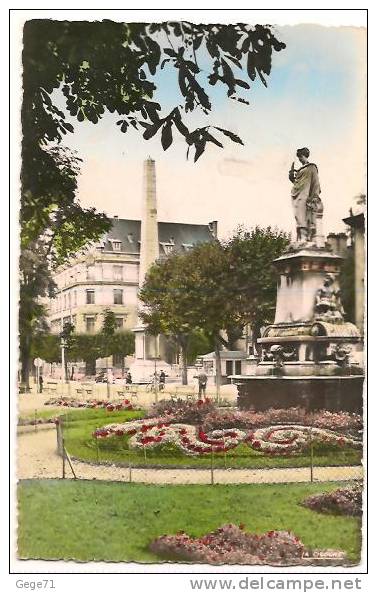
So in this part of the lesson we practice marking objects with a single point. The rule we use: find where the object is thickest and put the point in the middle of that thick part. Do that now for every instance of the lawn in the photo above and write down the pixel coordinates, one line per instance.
(80, 424)
(113, 521)
(42, 414)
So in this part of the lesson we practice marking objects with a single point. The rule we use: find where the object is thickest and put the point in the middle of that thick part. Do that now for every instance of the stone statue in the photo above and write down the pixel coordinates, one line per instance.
(328, 306)
(307, 204)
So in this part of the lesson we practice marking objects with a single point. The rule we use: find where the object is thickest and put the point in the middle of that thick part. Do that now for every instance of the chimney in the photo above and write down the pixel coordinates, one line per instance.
(149, 247)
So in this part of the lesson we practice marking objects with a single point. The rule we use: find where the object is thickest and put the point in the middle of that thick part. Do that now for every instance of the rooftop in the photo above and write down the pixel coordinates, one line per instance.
(180, 236)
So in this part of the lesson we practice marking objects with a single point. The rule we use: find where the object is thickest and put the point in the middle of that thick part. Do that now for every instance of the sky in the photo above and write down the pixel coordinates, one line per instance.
(316, 97)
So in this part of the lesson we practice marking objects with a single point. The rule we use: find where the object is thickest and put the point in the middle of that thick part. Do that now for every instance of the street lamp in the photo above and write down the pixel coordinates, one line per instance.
(63, 345)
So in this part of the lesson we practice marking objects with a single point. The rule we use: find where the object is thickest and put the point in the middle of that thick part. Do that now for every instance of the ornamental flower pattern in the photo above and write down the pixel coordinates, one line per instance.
(273, 440)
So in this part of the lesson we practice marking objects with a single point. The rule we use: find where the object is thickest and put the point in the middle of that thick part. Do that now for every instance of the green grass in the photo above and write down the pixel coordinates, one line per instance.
(44, 414)
(81, 445)
(88, 520)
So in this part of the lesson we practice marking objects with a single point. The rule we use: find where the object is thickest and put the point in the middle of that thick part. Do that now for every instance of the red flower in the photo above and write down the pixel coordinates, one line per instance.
(200, 402)
(126, 402)
(256, 444)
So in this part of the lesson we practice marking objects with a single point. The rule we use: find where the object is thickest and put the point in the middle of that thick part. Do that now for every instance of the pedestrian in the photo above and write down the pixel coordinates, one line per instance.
(40, 384)
(128, 378)
(162, 379)
(202, 380)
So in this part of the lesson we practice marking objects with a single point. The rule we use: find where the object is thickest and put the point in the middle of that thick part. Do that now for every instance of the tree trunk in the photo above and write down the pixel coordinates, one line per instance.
(25, 362)
(218, 369)
(184, 364)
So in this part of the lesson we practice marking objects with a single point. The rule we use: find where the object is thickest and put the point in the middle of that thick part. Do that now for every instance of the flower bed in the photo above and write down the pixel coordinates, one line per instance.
(273, 440)
(205, 413)
(36, 421)
(230, 544)
(344, 501)
(91, 403)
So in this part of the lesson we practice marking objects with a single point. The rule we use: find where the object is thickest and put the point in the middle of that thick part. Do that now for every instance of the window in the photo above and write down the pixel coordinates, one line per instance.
(74, 320)
(69, 300)
(118, 296)
(89, 325)
(90, 272)
(237, 370)
(187, 246)
(65, 300)
(117, 245)
(130, 237)
(75, 298)
(119, 322)
(90, 297)
(118, 360)
(167, 247)
(117, 273)
(229, 367)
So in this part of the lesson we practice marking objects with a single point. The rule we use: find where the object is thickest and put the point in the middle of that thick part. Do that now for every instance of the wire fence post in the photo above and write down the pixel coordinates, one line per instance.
(59, 435)
(224, 449)
(129, 466)
(97, 448)
(212, 480)
(63, 458)
(311, 453)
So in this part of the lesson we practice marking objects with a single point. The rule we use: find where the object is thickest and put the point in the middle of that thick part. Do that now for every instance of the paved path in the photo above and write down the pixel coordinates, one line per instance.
(37, 458)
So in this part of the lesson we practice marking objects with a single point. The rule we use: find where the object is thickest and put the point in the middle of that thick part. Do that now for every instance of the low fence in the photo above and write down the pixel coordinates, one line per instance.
(315, 460)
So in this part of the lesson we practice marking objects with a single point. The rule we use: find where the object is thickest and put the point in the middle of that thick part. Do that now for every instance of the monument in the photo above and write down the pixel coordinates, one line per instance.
(308, 355)
(149, 350)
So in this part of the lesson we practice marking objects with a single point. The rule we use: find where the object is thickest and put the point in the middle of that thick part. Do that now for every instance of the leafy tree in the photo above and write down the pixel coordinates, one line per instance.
(35, 281)
(251, 253)
(47, 347)
(215, 288)
(198, 344)
(108, 66)
(167, 310)
(53, 227)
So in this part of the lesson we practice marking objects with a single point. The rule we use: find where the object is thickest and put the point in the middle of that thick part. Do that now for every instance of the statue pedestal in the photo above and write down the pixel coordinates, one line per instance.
(302, 273)
(309, 354)
(309, 327)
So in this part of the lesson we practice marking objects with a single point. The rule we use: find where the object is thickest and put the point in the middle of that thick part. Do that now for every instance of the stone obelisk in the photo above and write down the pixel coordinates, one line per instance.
(149, 249)
(147, 347)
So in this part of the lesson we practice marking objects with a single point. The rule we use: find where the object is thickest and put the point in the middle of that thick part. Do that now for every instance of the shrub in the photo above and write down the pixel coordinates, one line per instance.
(230, 544)
(183, 411)
(344, 501)
(210, 417)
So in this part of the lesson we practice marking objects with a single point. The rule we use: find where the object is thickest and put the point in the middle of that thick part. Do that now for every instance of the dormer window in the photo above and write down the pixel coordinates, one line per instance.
(117, 245)
(167, 247)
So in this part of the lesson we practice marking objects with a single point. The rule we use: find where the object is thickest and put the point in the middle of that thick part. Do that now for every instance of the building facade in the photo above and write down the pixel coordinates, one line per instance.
(107, 275)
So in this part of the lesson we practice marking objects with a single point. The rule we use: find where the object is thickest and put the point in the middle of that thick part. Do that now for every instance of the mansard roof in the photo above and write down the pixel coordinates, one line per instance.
(180, 235)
